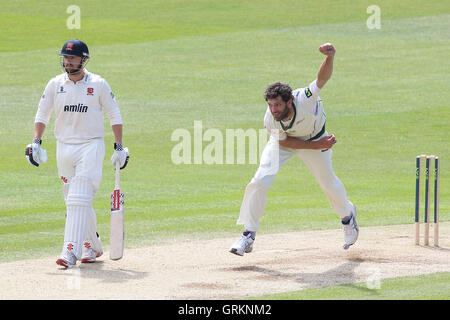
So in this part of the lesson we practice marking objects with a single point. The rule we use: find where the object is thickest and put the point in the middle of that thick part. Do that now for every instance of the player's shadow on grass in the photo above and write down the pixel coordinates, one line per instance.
(343, 274)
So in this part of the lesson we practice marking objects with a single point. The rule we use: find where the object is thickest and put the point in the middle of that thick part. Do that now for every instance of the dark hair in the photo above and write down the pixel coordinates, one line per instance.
(278, 89)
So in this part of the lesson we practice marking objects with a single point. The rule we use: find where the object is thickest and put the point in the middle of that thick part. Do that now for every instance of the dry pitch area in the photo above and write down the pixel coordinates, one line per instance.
(206, 270)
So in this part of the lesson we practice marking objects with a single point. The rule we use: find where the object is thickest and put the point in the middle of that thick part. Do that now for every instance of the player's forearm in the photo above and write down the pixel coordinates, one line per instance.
(325, 71)
(117, 130)
(324, 143)
(39, 129)
(295, 143)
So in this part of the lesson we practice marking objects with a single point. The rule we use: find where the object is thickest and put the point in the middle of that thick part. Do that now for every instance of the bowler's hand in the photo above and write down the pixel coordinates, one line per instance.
(325, 142)
(327, 49)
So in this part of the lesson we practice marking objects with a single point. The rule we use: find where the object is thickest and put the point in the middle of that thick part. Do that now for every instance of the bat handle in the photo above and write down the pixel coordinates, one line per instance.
(117, 175)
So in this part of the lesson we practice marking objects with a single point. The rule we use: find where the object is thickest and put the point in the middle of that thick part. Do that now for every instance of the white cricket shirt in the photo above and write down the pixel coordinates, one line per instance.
(309, 117)
(78, 107)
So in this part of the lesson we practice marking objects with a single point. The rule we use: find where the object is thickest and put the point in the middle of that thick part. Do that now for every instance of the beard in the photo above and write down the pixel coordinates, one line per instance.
(282, 115)
(73, 70)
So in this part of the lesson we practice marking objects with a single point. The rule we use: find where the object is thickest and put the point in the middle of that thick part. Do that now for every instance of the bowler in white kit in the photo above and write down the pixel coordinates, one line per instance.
(295, 120)
(79, 99)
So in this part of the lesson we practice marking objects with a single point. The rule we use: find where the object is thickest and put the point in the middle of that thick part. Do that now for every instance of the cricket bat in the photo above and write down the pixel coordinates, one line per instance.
(117, 219)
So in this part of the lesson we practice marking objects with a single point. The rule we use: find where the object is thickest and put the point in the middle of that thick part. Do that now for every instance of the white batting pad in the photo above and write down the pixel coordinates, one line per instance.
(81, 192)
(79, 213)
(76, 227)
(91, 235)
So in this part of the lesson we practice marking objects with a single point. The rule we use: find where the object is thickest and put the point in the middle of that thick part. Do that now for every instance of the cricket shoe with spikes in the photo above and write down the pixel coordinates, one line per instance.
(351, 230)
(244, 244)
(89, 255)
(67, 260)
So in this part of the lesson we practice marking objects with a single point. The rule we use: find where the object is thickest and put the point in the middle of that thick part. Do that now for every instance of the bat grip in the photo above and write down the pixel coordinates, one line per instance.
(117, 175)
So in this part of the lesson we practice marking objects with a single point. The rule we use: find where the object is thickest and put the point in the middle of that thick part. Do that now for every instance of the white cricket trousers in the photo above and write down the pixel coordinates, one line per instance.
(273, 158)
(80, 167)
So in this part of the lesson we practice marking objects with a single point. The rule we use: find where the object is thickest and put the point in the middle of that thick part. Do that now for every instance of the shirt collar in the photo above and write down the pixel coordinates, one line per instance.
(87, 76)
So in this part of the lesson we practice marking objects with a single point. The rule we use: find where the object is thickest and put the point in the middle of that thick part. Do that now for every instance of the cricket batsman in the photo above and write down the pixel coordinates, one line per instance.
(79, 99)
(295, 120)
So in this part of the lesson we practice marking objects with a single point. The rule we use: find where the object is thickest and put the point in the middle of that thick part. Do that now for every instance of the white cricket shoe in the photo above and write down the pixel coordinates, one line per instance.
(351, 230)
(89, 255)
(67, 260)
(244, 244)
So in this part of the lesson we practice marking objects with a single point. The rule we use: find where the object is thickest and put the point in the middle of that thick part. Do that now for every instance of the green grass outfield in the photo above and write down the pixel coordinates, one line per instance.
(171, 63)
(432, 287)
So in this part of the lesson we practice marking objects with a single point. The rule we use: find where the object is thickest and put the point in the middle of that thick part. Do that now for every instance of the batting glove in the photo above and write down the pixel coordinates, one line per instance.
(35, 154)
(120, 154)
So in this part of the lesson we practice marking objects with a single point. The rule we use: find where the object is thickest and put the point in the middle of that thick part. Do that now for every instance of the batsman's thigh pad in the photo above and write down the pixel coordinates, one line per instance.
(65, 160)
(90, 163)
(84, 159)
(81, 192)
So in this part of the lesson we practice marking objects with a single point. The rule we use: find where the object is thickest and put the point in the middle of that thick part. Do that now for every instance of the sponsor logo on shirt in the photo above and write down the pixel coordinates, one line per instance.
(75, 108)
(308, 93)
(61, 90)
